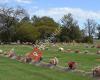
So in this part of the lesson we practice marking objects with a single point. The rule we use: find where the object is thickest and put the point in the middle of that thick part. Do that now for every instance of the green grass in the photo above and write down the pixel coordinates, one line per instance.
(13, 70)
(85, 61)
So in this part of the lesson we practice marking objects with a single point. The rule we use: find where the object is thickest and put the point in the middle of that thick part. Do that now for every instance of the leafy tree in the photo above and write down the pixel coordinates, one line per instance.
(45, 25)
(35, 20)
(75, 33)
(87, 39)
(68, 21)
(25, 19)
(26, 32)
(70, 29)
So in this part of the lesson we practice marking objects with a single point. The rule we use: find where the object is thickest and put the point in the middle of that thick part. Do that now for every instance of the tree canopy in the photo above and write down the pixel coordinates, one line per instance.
(70, 29)
(16, 24)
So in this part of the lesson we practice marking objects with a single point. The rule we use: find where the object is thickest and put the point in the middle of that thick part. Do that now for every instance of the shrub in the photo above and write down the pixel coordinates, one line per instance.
(87, 39)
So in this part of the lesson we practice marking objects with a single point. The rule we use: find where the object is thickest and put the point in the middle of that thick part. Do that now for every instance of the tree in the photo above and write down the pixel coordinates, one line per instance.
(26, 32)
(70, 29)
(9, 17)
(35, 20)
(98, 29)
(90, 26)
(87, 39)
(83, 32)
(45, 25)
(25, 19)
(67, 20)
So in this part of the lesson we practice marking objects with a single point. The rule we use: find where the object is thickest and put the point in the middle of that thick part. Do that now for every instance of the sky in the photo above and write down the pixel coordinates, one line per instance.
(80, 9)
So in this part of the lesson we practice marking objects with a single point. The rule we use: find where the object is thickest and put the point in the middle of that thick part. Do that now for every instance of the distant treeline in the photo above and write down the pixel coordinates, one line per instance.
(16, 25)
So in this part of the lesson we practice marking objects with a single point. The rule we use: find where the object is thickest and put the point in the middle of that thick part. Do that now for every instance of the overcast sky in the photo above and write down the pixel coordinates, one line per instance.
(81, 9)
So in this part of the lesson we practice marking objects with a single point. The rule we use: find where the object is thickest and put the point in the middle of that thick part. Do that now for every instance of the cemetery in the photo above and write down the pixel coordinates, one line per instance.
(49, 40)
(62, 59)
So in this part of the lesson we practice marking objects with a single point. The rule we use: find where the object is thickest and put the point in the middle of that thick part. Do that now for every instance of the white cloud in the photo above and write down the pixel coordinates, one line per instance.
(78, 13)
(18, 1)
(24, 1)
(32, 10)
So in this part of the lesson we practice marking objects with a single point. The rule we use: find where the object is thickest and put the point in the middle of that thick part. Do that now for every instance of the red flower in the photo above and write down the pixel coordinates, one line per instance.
(36, 54)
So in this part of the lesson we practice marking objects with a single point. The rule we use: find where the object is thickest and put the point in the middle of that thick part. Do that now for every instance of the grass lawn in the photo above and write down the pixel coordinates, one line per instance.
(85, 61)
(14, 70)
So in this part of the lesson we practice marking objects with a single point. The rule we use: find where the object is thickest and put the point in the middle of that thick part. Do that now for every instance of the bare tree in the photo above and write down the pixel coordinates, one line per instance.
(98, 29)
(9, 17)
(90, 27)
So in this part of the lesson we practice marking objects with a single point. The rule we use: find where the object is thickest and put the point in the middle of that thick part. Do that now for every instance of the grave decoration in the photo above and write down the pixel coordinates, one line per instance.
(11, 54)
(98, 52)
(54, 61)
(96, 71)
(61, 49)
(71, 65)
(19, 58)
(98, 46)
(34, 56)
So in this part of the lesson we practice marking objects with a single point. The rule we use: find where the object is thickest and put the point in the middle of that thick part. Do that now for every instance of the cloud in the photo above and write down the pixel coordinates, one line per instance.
(24, 1)
(77, 13)
(18, 1)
